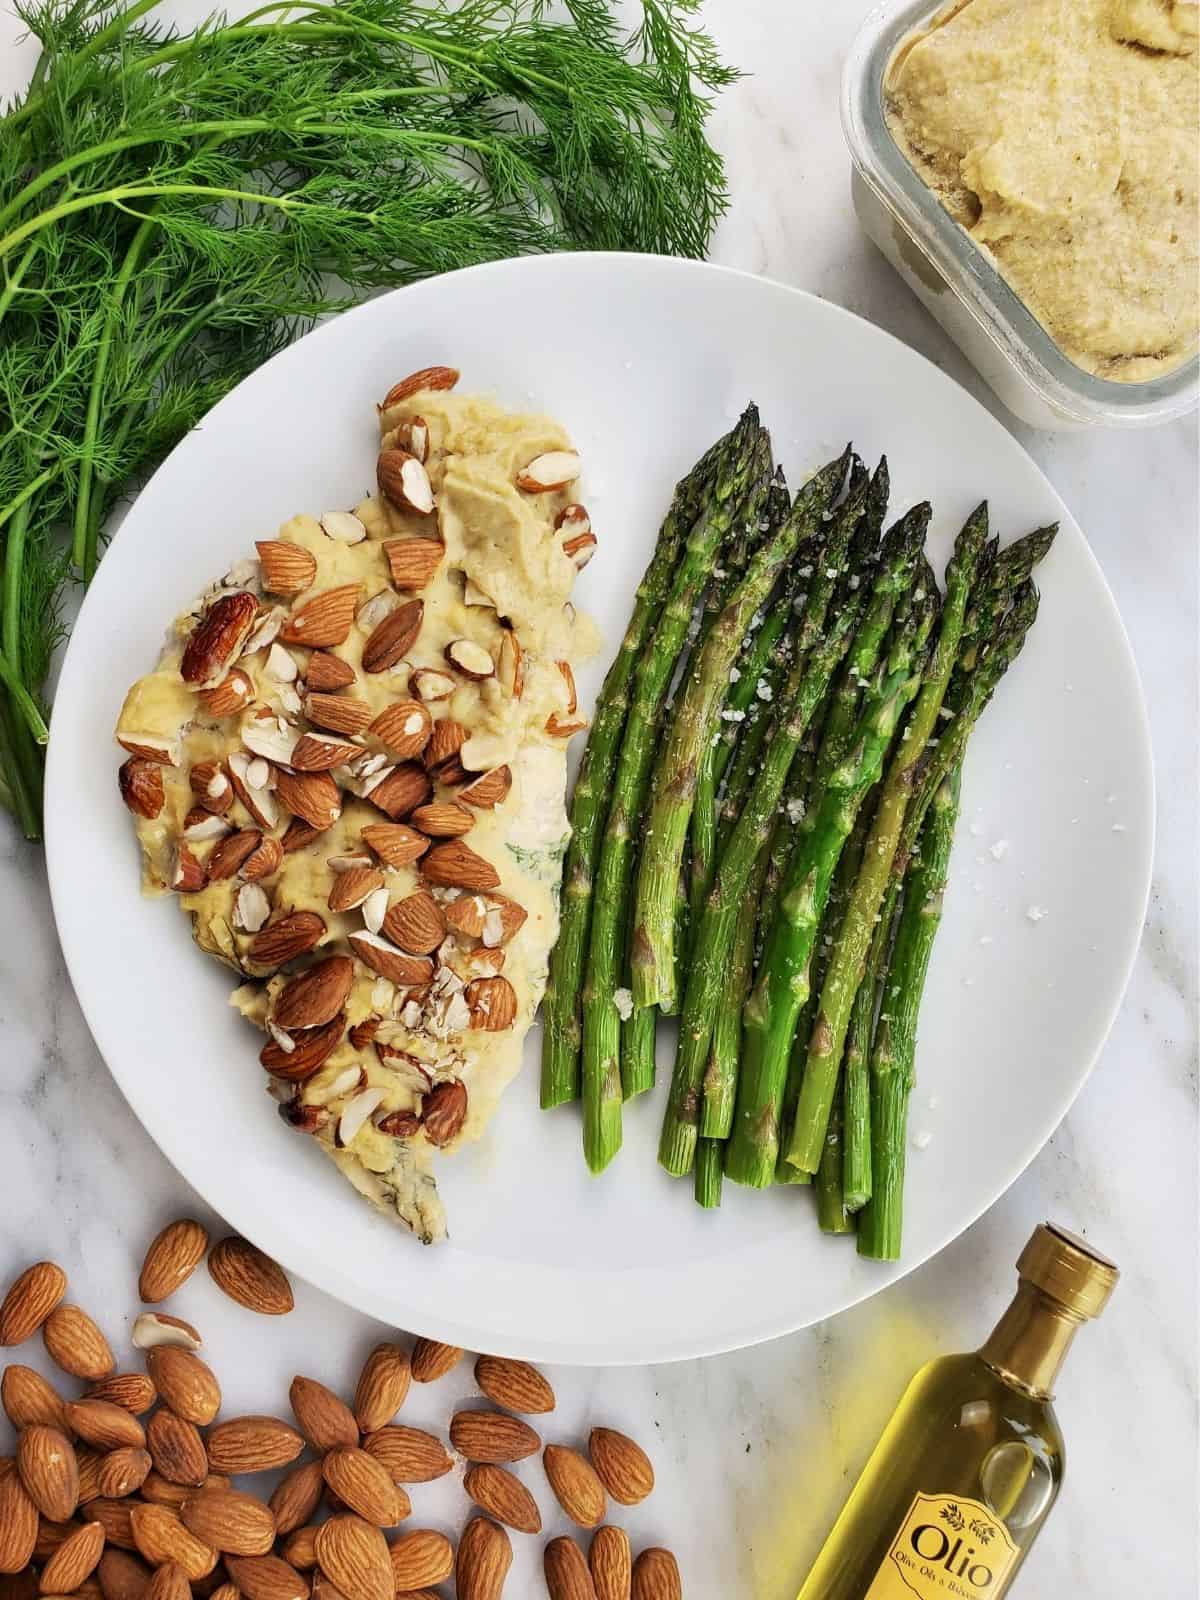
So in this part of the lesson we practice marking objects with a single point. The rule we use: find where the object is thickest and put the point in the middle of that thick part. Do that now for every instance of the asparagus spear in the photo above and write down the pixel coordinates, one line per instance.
(589, 804)
(601, 1077)
(653, 955)
(855, 1089)
(879, 1226)
(846, 966)
(709, 1156)
(781, 988)
(832, 1215)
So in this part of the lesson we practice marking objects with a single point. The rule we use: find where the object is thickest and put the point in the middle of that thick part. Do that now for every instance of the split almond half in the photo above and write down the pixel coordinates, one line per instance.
(287, 568)
(230, 697)
(579, 548)
(211, 786)
(443, 1113)
(188, 875)
(492, 1003)
(489, 790)
(404, 481)
(491, 918)
(343, 527)
(151, 747)
(325, 619)
(311, 795)
(217, 639)
(469, 658)
(510, 668)
(555, 469)
(413, 435)
(416, 924)
(351, 888)
(250, 777)
(141, 785)
(428, 684)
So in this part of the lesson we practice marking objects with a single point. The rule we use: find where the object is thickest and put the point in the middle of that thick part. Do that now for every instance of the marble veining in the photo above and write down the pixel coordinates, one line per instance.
(755, 1451)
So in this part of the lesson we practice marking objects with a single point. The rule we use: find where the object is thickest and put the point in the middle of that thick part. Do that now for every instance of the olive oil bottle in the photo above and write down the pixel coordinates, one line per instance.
(970, 1466)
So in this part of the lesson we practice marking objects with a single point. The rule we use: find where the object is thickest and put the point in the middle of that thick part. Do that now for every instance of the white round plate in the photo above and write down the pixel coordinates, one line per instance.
(645, 360)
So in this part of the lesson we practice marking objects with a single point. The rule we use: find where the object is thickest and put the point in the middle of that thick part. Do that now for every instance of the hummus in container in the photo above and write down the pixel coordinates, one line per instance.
(1062, 135)
(350, 765)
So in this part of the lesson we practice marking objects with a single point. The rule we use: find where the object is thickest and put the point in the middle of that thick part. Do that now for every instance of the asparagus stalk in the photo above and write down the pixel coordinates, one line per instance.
(709, 1156)
(879, 1227)
(653, 954)
(589, 804)
(601, 1076)
(855, 1090)
(846, 966)
(719, 1086)
(782, 985)
(832, 1215)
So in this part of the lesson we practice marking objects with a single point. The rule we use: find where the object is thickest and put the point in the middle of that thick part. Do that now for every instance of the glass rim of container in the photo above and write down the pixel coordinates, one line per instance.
(966, 269)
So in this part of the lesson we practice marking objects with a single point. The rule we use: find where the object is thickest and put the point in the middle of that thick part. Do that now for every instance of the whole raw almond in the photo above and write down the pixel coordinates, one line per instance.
(443, 819)
(415, 923)
(240, 1268)
(186, 1384)
(18, 1524)
(114, 1516)
(75, 1343)
(160, 1537)
(176, 1448)
(252, 1444)
(24, 1586)
(403, 728)
(161, 1492)
(326, 673)
(105, 1426)
(132, 1391)
(173, 1256)
(287, 568)
(453, 864)
(50, 1536)
(415, 382)
(49, 1470)
(567, 1575)
(297, 1496)
(285, 938)
(123, 1576)
(482, 1561)
(402, 791)
(610, 1562)
(492, 1436)
(393, 637)
(656, 1576)
(502, 1495)
(421, 1557)
(168, 1582)
(323, 1419)
(409, 1455)
(311, 1048)
(382, 1387)
(309, 1000)
(30, 1299)
(74, 1560)
(394, 843)
(576, 1485)
(515, 1385)
(324, 619)
(121, 1472)
(27, 1398)
(232, 1522)
(623, 1466)
(299, 1549)
(339, 713)
(361, 1482)
(354, 1556)
(312, 796)
(88, 1461)
(432, 1360)
(266, 1577)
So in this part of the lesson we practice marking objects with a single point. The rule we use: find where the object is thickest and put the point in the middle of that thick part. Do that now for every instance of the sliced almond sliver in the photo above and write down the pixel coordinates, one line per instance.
(343, 527)
(552, 470)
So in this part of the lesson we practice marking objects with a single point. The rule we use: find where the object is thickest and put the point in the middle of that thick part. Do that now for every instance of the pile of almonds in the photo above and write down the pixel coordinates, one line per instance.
(126, 1493)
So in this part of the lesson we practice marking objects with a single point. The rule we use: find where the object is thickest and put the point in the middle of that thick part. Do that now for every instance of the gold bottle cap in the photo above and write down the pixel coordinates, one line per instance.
(1067, 1269)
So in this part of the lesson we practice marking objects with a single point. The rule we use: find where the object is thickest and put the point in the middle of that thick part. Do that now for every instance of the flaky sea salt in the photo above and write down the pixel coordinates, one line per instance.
(1035, 913)
(623, 1000)
(999, 850)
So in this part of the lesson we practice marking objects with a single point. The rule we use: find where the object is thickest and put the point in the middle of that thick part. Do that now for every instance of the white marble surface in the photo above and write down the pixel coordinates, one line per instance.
(756, 1450)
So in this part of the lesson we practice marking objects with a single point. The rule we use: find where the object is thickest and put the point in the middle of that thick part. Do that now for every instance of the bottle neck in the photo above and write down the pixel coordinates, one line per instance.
(1030, 1342)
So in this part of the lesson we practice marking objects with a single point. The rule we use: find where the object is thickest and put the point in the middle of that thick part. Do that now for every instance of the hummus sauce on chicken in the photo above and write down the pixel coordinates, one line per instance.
(425, 945)
(1062, 135)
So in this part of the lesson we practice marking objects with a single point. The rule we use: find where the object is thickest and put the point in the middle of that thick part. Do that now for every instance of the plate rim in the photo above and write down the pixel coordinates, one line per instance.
(362, 1297)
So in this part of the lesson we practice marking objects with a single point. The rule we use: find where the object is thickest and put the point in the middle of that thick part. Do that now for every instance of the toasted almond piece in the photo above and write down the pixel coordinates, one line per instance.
(252, 1444)
(153, 1328)
(566, 1572)
(403, 728)
(280, 664)
(443, 819)
(287, 568)
(372, 612)
(362, 1033)
(410, 1455)
(74, 1561)
(349, 889)
(446, 739)
(378, 953)
(482, 963)
(217, 639)
(287, 937)
(573, 519)
(343, 527)
(580, 548)
(229, 697)
(510, 664)
(151, 747)
(104, 1425)
(413, 562)
(176, 1448)
(18, 1524)
(258, 800)
(503, 1496)
(421, 1557)
(310, 1049)
(492, 1003)
(382, 1387)
(339, 713)
(469, 658)
(141, 785)
(200, 825)
(186, 1384)
(326, 672)
(229, 855)
(413, 435)
(270, 737)
(515, 1385)
(404, 481)
(312, 796)
(49, 1470)
(188, 875)
(354, 1555)
(363, 1484)
(416, 924)
(394, 636)
(325, 619)
(122, 1471)
(482, 1561)
(324, 1420)
(622, 1464)
(76, 1344)
(31, 1297)
(454, 864)
(563, 727)
(427, 378)
(132, 1391)
(554, 469)
(210, 784)
(492, 1436)
(321, 752)
(396, 844)
(656, 1576)
(444, 1111)
(263, 860)
(489, 790)
(251, 1278)
(493, 918)
(251, 908)
(401, 791)
(161, 1537)
(576, 1485)
(296, 1497)
(430, 685)
(27, 1399)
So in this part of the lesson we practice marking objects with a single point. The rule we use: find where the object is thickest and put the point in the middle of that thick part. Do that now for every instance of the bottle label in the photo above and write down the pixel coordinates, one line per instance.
(947, 1548)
